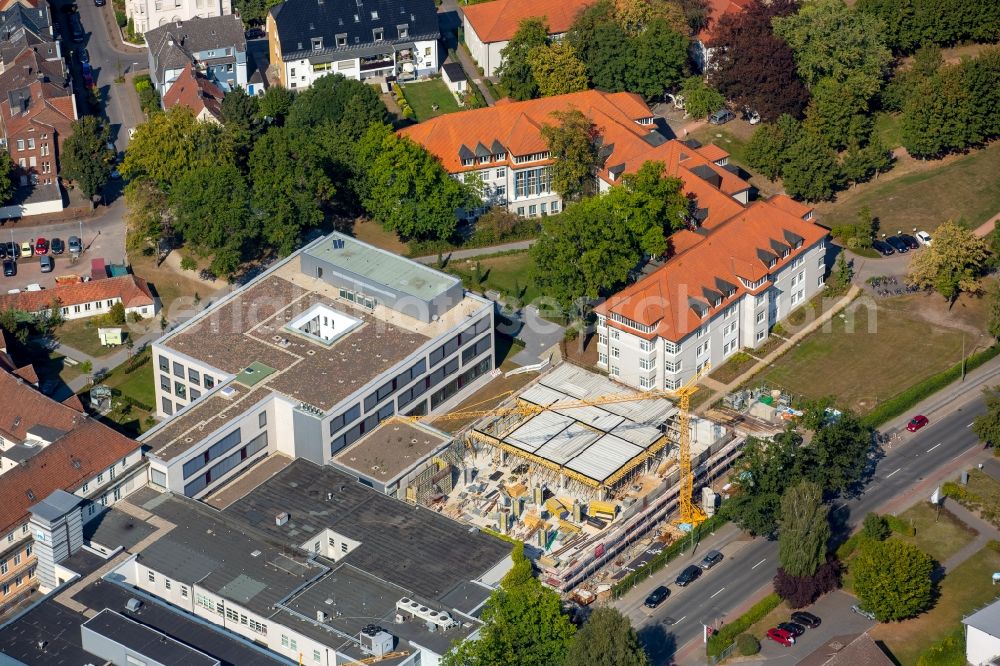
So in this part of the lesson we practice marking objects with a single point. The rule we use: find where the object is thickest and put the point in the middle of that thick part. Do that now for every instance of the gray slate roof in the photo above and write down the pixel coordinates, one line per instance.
(173, 45)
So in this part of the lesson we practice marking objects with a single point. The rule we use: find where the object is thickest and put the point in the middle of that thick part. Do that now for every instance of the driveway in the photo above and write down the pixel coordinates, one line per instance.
(539, 335)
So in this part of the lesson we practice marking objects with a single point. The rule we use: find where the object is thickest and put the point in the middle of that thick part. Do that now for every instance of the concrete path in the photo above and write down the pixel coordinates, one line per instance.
(773, 356)
(986, 228)
(987, 531)
(450, 19)
(477, 251)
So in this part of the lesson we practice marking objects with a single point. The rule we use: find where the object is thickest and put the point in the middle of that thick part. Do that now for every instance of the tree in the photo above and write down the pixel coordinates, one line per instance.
(842, 274)
(144, 214)
(837, 456)
(654, 204)
(747, 644)
(805, 529)
(987, 426)
(85, 157)
(911, 23)
(769, 146)
(752, 67)
(875, 527)
(830, 40)
(336, 99)
(6, 177)
(573, 145)
(657, 59)
(606, 638)
(859, 164)
(522, 626)
(211, 205)
(953, 264)
(521, 573)
(275, 103)
(557, 70)
(290, 186)
(939, 115)
(762, 474)
(993, 323)
(634, 16)
(406, 189)
(839, 112)
(116, 315)
(800, 591)
(700, 99)
(893, 579)
(516, 72)
(811, 171)
(239, 108)
(254, 11)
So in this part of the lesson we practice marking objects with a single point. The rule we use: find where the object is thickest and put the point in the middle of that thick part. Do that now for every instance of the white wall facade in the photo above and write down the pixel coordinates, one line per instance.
(103, 306)
(981, 648)
(149, 14)
(658, 363)
(500, 179)
(486, 54)
(302, 72)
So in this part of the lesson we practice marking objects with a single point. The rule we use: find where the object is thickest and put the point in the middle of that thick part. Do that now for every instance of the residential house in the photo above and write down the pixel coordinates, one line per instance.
(196, 92)
(982, 635)
(701, 45)
(723, 289)
(23, 27)
(502, 147)
(216, 47)
(87, 299)
(488, 26)
(848, 650)
(364, 39)
(50, 447)
(150, 14)
(37, 110)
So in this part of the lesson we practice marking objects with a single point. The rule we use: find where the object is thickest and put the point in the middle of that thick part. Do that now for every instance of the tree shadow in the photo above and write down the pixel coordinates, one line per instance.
(660, 644)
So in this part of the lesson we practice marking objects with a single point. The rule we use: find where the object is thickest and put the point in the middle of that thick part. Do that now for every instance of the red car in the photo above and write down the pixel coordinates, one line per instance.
(916, 423)
(41, 246)
(781, 637)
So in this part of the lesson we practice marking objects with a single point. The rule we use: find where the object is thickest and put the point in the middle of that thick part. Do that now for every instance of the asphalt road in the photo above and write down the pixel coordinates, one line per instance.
(750, 565)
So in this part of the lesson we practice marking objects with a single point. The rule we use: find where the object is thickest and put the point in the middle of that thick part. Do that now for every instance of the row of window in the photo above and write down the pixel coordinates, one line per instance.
(359, 299)
(533, 157)
(452, 345)
(226, 465)
(27, 576)
(400, 380)
(110, 473)
(192, 376)
(486, 159)
(532, 182)
(179, 389)
(31, 144)
(16, 559)
(533, 209)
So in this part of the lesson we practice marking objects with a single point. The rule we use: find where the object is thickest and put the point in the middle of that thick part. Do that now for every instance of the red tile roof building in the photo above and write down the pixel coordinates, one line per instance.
(504, 145)
(716, 10)
(490, 25)
(87, 299)
(196, 92)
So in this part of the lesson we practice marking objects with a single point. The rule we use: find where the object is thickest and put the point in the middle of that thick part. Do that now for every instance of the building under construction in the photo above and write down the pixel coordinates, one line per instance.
(579, 467)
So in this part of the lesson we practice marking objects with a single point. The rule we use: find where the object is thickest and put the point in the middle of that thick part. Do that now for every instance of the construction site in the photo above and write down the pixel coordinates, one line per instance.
(582, 470)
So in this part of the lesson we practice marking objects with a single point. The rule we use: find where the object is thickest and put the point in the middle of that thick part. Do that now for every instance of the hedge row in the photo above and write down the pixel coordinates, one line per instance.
(846, 549)
(898, 525)
(137, 362)
(129, 400)
(661, 559)
(905, 401)
(725, 636)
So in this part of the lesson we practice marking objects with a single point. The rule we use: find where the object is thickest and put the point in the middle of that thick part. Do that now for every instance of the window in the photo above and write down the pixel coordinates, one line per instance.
(520, 211)
(20, 144)
(180, 390)
(532, 210)
(166, 583)
(194, 377)
(760, 335)
(31, 144)
(704, 348)
(669, 347)
(602, 339)
(531, 182)
(151, 576)
(3, 567)
(184, 591)
(262, 419)
(703, 331)
(374, 14)
(646, 345)
(404, 31)
(178, 370)
(501, 172)
(377, 33)
(317, 43)
(291, 72)
(555, 207)
(195, 394)
(100, 478)
(671, 366)
(341, 40)
(646, 364)
(165, 383)
(167, 406)
(615, 352)
(602, 358)
(164, 364)
(614, 372)
(316, 655)
(343, 547)
(760, 316)
(258, 627)
(730, 327)
(729, 347)
(232, 615)
(819, 280)
(5, 588)
(209, 381)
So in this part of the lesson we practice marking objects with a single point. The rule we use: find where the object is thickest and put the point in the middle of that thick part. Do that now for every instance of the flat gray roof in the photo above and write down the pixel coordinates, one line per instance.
(391, 449)
(986, 619)
(382, 267)
(146, 641)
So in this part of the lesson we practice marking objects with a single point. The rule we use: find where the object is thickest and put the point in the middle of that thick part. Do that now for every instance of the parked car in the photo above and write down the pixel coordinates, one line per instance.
(657, 596)
(41, 246)
(721, 117)
(897, 244)
(9, 268)
(910, 241)
(88, 79)
(100, 3)
(76, 27)
(689, 575)
(863, 612)
(806, 619)
(85, 56)
(13, 250)
(793, 628)
(57, 246)
(917, 422)
(712, 558)
(781, 637)
(924, 238)
(46, 263)
(27, 249)
(75, 245)
(882, 248)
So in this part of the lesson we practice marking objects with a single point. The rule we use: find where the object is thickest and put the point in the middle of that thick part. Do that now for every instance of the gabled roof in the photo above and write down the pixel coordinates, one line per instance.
(174, 45)
(196, 92)
(671, 298)
(298, 22)
(716, 10)
(790, 205)
(35, 19)
(132, 290)
(497, 21)
(35, 90)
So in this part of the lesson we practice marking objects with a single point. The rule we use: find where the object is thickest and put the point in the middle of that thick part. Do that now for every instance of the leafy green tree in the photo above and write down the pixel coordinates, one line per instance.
(275, 103)
(837, 456)
(993, 323)
(145, 214)
(6, 177)
(762, 474)
(657, 59)
(516, 73)
(85, 157)
(912, 23)
(654, 204)
(211, 207)
(406, 189)
(987, 426)
(334, 98)
(860, 164)
(606, 638)
(254, 11)
(634, 16)
(839, 112)
(557, 70)
(572, 141)
(805, 529)
(521, 573)
(523, 626)
(875, 527)
(290, 186)
(700, 99)
(811, 171)
(953, 264)
(938, 117)
(893, 579)
(239, 107)
(768, 149)
(116, 315)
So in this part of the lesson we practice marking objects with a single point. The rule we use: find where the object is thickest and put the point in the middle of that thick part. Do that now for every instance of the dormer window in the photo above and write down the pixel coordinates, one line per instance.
(357, 18)
(342, 39)
(374, 15)
(772, 263)
(469, 162)
(317, 43)
(377, 34)
(404, 31)
(499, 157)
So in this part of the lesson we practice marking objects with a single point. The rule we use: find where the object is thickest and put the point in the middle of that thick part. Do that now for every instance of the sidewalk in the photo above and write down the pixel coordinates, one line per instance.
(773, 356)
(987, 531)
(477, 251)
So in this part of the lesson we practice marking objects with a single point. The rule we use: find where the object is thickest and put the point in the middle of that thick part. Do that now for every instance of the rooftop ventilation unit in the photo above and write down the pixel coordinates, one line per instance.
(320, 616)
(133, 604)
(281, 518)
(227, 392)
(376, 641)
(440, 619)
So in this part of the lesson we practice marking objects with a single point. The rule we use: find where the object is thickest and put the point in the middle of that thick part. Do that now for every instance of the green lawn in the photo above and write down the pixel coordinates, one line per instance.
(423, 95)
(736, 146)
(866, 356)
(81, 334)
(965, 589)
(137, 385)
(983, 496)
(507, 273)
(962, 188)
(888, 128)
(938, 533)
(737, 364)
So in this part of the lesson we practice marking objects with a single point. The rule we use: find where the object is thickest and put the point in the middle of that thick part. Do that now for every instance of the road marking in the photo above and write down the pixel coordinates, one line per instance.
(970, 425)
(717, 593)
(934, 447)
(759, 563)
(680, 620)
(891, 473)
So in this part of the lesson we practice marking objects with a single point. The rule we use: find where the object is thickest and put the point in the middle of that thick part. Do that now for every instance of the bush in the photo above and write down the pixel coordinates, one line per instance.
(875, 527)
(120, 18)
(747, 645)
(188, 264)
(899, 526)
(949, 651)
(800, 591)
(725, 636)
